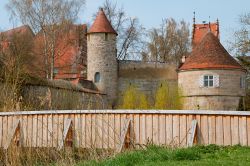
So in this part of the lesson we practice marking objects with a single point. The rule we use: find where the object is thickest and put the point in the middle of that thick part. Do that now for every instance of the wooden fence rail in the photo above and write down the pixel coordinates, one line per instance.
(115, 129)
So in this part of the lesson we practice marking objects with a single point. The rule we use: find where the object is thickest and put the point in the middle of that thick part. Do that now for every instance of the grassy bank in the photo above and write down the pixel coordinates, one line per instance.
(199, 155)
(152, 155)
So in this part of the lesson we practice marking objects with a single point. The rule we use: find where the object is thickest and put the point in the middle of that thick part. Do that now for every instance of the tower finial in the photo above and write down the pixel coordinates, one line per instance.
(209, 24)
(194, 17)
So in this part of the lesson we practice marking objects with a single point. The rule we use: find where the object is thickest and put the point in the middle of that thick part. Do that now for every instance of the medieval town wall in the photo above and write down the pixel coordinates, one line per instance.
(145, 76)
(60, 96)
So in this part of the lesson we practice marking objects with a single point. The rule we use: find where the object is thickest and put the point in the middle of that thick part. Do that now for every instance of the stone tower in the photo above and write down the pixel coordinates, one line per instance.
(102, 65)
(210, 78)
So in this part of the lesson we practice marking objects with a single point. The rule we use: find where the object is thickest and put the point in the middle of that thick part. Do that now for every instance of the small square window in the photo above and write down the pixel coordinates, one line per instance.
(208, 81)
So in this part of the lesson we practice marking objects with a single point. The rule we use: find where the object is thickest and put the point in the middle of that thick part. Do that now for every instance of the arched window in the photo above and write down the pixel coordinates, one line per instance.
(97, 77)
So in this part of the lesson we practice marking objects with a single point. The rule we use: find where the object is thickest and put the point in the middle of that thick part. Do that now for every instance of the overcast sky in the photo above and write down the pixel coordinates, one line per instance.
(151, 12)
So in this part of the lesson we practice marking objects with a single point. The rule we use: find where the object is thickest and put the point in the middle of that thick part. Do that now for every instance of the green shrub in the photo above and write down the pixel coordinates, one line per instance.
(168, 97)
(133, 99)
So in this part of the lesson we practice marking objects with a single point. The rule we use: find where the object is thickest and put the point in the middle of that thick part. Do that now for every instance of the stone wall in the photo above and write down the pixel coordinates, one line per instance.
(224, 97)
(102, 59)
(146, 76)
(51, 98)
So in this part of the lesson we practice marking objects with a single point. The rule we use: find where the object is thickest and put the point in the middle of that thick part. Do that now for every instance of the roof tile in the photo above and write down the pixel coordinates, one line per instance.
(101, 24)
(210, 54)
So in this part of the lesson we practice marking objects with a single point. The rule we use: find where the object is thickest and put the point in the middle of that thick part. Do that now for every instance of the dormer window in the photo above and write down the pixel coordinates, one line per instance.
(209, 81)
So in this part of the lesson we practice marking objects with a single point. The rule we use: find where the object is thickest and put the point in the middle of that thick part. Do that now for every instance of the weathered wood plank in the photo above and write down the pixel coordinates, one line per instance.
(199, 136)
(235, 130)
(204, 129)
(117, 129)
(55, 132)
(219, 130)
(29, 138)
(98, 134)
(45, 131)
(15, 128)
(149, 128)
(211, 129)
(248, 131)
(111, 131)
(169, 129)
(155, 129)
(183, 130)
(34, 130)
(143, 137)
(191, 133)
(105, 132)
(227, 130)
(82, 129)
(50, 131)
(137, 129)
(93, 130)
(1, 131)
(162, 130)
(124, 135)
(88, 135)
(243, 130)
(176, 130)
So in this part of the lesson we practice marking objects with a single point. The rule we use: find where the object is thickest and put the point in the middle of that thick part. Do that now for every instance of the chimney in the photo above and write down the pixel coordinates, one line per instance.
(183, 59)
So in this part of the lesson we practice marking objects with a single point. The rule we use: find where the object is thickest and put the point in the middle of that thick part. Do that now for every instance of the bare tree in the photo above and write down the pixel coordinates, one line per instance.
(130, 32)
(169, 42)
(17, 61)
(241, 44)
(50, 18)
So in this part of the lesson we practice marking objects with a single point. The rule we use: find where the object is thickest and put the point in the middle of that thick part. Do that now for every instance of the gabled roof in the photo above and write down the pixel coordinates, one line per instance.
(19, 30)
(101, 24)
(210, 54)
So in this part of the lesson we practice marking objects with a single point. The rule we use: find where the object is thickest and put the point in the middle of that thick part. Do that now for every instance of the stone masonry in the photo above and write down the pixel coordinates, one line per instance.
(102, 59)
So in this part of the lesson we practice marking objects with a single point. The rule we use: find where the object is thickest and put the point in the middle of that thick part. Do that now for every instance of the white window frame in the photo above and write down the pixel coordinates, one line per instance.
(209, 81)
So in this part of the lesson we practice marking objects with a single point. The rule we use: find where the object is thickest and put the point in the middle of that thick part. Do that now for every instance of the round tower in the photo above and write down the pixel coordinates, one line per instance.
(210, 78)
(102, 65)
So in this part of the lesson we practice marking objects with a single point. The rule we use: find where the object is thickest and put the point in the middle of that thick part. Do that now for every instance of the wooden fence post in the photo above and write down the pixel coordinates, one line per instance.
(67, 139)
(125, 137)
(192, 133)
(14, 135)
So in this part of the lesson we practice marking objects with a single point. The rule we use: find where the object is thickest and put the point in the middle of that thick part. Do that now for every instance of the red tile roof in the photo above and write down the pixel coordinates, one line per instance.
(200, 30)
(70, 52)
(210, 54)
(101, 24)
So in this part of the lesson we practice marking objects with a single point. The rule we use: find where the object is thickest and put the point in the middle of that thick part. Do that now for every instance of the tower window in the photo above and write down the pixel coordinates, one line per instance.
(106, 36)
(97, 77)
(209, 81)
(88, 37)
(242, 82)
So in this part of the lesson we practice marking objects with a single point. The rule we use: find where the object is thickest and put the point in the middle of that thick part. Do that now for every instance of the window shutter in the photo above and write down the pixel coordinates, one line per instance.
(201, 81)
(216, 81)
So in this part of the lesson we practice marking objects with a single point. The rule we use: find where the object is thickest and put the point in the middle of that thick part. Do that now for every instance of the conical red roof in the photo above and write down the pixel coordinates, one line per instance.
(101, 24)
(210, 54)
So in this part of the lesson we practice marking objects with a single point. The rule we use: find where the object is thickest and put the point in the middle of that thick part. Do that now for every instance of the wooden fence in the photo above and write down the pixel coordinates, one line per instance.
(115, 129)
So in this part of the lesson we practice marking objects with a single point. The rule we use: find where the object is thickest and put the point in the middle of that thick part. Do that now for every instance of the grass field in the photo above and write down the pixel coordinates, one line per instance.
(198, 155)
